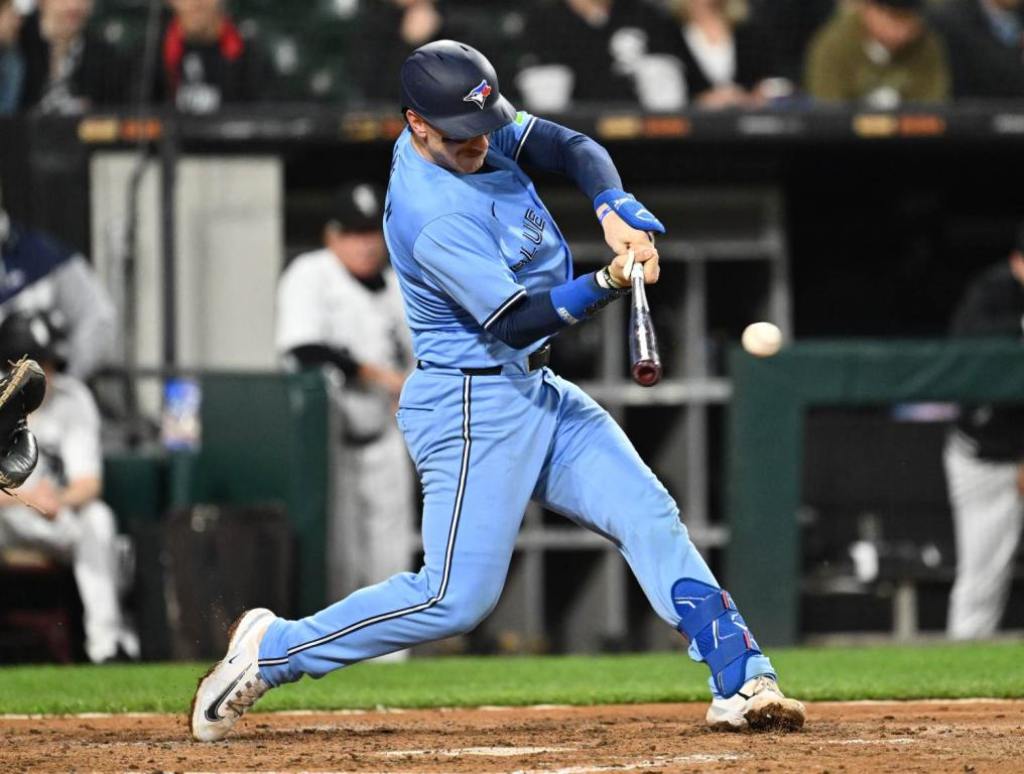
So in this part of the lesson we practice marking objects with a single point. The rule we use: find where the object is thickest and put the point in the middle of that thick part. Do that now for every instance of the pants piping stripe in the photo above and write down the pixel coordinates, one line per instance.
(467, 443)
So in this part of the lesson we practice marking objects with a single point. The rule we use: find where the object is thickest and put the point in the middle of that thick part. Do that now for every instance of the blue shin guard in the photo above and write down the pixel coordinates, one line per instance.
(710, 619)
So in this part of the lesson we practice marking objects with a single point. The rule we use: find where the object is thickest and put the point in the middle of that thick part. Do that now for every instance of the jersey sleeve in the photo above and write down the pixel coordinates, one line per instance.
(461, 259)
(298, 303)
(510, 139)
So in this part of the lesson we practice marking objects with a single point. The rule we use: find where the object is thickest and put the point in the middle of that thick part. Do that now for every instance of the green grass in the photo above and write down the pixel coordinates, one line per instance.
(940, 671)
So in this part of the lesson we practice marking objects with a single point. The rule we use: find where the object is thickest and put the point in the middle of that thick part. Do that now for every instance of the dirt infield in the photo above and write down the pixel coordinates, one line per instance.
(920, 736)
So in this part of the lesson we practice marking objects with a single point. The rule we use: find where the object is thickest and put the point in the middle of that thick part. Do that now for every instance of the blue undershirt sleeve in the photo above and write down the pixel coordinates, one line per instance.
(556, 148)
(545, 314)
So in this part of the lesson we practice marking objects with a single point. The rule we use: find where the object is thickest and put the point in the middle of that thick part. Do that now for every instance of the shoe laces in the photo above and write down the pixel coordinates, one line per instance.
(763, 683)
(247, 695)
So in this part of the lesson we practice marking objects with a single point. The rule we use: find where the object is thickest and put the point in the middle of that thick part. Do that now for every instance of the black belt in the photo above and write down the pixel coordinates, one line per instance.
(537, 359)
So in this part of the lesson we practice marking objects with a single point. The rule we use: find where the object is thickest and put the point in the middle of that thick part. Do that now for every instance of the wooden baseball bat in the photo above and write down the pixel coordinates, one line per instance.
(643, 345)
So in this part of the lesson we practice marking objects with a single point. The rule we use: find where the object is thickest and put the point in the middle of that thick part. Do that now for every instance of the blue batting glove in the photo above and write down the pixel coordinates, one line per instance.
(628, 208)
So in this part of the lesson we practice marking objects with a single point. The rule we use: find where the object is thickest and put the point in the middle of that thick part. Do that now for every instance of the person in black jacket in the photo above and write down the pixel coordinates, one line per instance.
(68, 69)
(985, 41)
(206, 62)
(984, 460)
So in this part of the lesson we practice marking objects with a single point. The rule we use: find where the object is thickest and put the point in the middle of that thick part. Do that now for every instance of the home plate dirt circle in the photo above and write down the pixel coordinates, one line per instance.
(982, 735)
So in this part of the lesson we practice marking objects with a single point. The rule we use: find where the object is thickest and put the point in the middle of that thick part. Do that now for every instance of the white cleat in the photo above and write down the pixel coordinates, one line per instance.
(232, 685)
(758, 706)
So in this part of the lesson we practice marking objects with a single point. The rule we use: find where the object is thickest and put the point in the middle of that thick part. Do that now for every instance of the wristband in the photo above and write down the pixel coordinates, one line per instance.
(578, 299)
(607, 281)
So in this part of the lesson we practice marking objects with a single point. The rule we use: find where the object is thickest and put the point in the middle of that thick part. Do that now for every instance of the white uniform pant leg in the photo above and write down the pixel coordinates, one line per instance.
(86, 537)
(95, 566)
(987, 519)
(344, 525)
(381, 480)
(385, 485)
(370, 535)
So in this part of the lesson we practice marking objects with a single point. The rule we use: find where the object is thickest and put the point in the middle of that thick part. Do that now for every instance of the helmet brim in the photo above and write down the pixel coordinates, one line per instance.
(468, 125)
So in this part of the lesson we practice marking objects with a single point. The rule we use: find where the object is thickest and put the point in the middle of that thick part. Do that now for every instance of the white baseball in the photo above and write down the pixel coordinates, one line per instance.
(762, 339)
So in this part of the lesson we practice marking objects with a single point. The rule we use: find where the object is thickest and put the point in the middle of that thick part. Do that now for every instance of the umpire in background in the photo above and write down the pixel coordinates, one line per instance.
(984, 460)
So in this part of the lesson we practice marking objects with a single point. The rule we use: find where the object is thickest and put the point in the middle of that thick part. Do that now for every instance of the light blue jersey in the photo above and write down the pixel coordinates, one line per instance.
(468, 248)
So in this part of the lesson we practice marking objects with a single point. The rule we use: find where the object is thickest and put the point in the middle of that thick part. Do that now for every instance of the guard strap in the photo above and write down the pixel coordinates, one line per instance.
(739, 644)
(706, 611)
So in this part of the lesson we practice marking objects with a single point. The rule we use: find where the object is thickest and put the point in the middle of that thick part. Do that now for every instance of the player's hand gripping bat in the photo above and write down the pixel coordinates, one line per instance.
(643, 345)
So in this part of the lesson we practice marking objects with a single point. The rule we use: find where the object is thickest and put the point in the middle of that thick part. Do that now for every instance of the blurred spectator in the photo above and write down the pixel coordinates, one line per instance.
(984, 460)
(726, 59)
(881, 53)
(600, 51)
(68, 70)
(791, 25)
(985, 41)
(42, 275)
(12, 66)
(389, 30)
(340, 308)
(205, 61)
(69, 520)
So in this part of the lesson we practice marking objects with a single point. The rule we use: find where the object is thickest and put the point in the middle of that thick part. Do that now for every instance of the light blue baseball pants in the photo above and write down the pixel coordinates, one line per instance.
(484, 446)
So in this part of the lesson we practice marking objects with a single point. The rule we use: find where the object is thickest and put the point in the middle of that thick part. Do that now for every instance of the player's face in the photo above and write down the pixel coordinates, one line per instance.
(894, 28)
(462, 156)
(362, 252)
(65, 18)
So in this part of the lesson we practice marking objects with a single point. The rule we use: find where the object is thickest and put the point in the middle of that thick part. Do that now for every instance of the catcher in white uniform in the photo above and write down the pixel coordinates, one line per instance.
(67, 518)
(340, 308)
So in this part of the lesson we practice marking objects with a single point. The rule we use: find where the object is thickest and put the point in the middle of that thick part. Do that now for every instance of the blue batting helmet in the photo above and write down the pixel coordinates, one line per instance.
(455, 89)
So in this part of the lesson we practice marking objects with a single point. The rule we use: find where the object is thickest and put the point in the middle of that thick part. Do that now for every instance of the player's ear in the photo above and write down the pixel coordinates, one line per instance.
(332, 230)
(417, 124)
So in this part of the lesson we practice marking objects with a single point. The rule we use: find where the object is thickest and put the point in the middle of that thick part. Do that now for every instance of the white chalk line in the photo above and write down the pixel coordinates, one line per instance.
(895, 740)
(650, 763)
(490, 752)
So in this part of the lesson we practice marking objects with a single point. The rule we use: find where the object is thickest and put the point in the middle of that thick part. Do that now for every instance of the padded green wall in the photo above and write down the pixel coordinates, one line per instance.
(765, 444)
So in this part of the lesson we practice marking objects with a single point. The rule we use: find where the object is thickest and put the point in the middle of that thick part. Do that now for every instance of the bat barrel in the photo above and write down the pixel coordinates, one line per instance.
(646, 373)
(643, 345)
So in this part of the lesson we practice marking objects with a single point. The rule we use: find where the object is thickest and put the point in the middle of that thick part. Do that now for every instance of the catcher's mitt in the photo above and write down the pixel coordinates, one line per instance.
(21, 392)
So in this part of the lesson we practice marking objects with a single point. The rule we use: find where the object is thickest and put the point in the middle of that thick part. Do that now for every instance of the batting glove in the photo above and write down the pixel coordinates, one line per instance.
(628, 208)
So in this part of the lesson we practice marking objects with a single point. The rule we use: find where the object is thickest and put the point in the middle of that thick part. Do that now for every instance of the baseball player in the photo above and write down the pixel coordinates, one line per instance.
(984, 462)
(67, 518)
(340, 308)
(487, 279)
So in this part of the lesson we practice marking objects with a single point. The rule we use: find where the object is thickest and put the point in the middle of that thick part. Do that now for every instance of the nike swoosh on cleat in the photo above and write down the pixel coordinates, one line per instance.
(211, 711)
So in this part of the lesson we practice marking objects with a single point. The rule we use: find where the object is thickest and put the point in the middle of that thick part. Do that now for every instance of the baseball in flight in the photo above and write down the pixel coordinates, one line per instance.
(762, 339)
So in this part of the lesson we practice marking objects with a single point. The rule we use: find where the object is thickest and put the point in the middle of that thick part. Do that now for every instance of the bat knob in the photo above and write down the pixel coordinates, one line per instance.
(647, 373)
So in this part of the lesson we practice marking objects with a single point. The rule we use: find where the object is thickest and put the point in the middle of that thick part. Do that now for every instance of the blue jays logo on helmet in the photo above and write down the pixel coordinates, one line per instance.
(479, 94)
